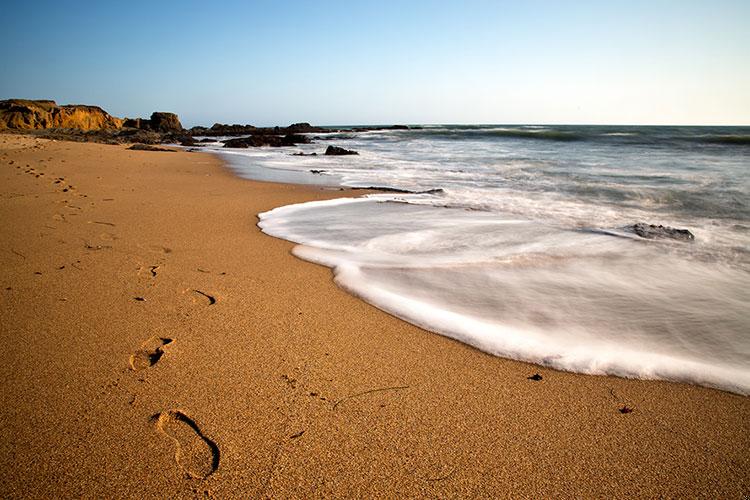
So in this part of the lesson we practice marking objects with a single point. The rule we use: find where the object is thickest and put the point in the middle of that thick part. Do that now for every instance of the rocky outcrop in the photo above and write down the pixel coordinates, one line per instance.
(651, 231)
(258, 140)
(22, 114)
(160, 121)
(219, 129)
(302, 128)
(337, 151)
(165, 122)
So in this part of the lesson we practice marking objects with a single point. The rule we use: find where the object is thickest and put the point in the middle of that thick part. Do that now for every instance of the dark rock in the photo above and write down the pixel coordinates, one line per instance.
(304, 154)
(244, 142)
(651, 231)
(317, 171)
(183, 140)
(137, 135)
(161, 122)
(165, 122)
(149, 147)
(536, 377)
(302, 128)
(218, 129)
(292, 139)
(258, 140)
(337, 151)
(197, 131)
(132, 123)
(388, 189)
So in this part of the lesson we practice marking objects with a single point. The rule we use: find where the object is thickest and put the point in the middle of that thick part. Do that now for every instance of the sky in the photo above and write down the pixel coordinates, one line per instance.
(381, 62)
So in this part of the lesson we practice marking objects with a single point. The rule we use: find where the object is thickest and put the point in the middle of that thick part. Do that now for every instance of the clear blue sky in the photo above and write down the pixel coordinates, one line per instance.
(344, 62)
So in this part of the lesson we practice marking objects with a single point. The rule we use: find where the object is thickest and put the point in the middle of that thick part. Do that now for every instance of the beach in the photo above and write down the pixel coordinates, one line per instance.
(157, 344)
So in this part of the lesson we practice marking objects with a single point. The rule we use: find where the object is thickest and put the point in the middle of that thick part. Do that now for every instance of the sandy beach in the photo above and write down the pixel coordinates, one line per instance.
(157, 344)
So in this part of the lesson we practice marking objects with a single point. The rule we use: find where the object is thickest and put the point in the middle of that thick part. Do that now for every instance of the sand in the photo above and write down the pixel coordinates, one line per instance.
(157, 344)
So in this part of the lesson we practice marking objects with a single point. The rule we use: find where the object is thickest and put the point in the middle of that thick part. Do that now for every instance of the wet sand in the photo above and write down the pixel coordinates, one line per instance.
(157, 344)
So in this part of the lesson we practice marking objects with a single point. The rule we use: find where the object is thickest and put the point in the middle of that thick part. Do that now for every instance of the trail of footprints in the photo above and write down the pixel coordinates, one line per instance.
(58, 182)
(195, 454)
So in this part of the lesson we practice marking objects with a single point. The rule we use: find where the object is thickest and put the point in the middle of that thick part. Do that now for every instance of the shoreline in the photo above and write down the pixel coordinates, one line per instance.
(299, 385)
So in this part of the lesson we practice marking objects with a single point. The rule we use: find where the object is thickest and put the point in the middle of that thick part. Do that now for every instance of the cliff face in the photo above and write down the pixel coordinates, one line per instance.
(28, 115)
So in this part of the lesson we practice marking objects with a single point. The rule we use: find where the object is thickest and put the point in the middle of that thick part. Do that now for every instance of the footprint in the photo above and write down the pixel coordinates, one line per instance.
(196, 454)
(160, 249)
(149, 354)
(210, 298)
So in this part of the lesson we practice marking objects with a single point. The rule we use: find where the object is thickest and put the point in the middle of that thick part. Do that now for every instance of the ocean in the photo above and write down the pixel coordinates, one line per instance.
(518, 240)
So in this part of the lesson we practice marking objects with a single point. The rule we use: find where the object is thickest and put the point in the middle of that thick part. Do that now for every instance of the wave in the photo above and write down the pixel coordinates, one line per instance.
(653, 136)
(490, 133)
(741, 140)
(581, 301)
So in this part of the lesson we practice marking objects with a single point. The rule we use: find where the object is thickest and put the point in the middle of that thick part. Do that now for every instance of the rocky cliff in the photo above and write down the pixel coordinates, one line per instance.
(31, 115)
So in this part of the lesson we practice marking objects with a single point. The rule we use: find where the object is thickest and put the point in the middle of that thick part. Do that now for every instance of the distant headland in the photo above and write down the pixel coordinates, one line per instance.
(87, 123)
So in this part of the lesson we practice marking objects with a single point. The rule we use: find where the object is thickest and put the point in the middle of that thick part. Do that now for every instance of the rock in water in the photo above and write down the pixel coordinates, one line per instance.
(302, 128)
(258, 140)
(337, 151)
(651, 231)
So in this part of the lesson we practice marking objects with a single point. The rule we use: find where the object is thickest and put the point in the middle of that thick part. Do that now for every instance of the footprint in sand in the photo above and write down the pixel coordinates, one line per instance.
(149, 354)
(210, 299)
(199, 296)
(196, 454)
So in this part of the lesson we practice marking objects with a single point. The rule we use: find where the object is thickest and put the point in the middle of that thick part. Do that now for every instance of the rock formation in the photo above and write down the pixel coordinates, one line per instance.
(159, 122)
(258, 140)
(25, 114)
(337, 151)
(220, 129)
(651, 231)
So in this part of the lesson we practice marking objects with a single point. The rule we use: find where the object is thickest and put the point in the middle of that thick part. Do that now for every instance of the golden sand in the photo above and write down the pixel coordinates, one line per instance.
(157, 344)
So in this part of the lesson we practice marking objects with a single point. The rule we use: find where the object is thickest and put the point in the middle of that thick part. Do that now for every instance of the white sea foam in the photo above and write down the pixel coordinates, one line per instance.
(524, 253)
(573, 300)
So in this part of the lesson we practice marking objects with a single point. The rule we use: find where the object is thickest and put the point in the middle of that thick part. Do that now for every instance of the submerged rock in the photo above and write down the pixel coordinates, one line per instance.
(651, 231)
(337, 151)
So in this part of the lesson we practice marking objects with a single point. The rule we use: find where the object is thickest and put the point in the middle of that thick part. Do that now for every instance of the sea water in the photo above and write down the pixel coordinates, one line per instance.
(516, 240)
